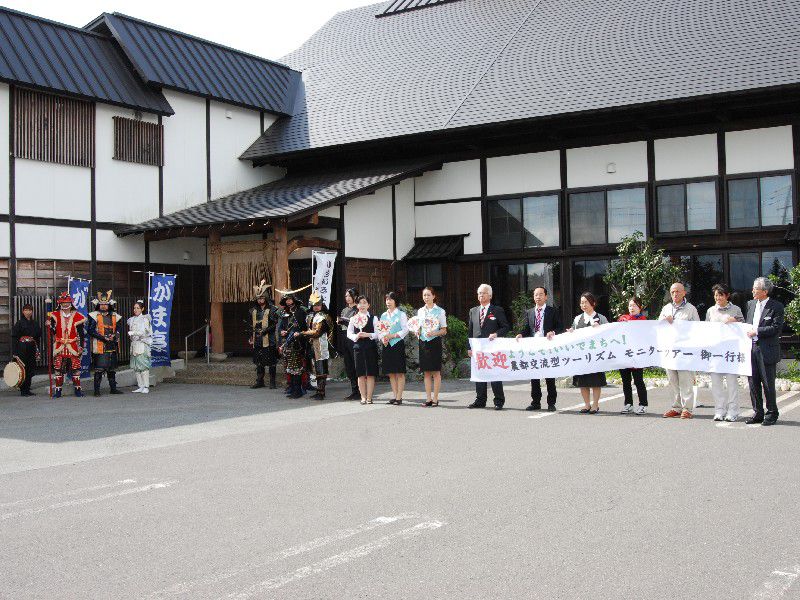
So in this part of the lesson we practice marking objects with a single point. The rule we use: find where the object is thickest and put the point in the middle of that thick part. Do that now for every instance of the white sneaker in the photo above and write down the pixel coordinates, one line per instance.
(640, 410)
(136, 391)
(628, 408)
(719, 418)
(731, 419)
(145, 390)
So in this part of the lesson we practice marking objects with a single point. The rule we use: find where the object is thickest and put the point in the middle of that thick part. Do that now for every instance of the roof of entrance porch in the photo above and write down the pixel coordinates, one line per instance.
(291, 199)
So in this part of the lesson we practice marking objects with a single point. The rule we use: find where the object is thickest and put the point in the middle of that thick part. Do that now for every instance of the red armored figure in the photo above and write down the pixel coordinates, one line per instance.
(66, 325)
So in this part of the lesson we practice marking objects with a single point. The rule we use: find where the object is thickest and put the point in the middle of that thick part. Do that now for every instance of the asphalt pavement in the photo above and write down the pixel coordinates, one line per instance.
(221, 492)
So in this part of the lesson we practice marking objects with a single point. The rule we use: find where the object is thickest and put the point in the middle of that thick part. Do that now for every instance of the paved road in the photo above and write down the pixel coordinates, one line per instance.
(216, 492)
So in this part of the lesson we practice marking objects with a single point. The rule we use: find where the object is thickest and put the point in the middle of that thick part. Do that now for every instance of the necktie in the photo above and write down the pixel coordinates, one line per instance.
(538, 319)
(483, 314)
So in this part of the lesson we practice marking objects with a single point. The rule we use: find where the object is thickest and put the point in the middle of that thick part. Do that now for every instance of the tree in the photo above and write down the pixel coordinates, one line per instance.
(641, 271)
(788, 281)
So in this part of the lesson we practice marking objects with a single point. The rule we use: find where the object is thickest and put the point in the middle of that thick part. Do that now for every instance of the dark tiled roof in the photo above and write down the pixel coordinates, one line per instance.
(442, 246)
(477, 62)
(398, 6)
(292, 196)
(182, 62)
(43, 54)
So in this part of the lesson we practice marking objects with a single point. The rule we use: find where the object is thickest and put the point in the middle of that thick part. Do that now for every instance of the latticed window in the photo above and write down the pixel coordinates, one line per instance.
(138, 141)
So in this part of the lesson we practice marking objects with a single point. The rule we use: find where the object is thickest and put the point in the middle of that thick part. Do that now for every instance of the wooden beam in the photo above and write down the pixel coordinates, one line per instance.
(311, 242)
(217, 329)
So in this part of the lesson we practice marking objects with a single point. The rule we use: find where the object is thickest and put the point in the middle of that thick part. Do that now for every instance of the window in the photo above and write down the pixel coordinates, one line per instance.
(702, 272)
(517, 223)
(686, 207)
(746, 266)
(508, 281)
(760, 201)
(53, 128)
(587, 276)
(420, 275)
(606, 216)
(138, 141)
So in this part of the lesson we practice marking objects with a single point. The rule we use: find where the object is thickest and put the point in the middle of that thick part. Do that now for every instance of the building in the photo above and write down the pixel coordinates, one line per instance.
(445, 143)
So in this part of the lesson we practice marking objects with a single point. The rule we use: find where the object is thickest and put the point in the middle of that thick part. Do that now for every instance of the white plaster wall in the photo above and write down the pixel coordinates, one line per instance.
(171, 251)
(5, 240)
(331, 211)
(117, 249)
(537, 172)
(305, 253)
(45, 189)
(404, 213)
(4, 149)
(588, 167)
(126, 192)
(44, 241)
(754, 150)
(233, 129)
(368, 226)
(454, 180)
(450, 219)
(184, 152)
(684, 157)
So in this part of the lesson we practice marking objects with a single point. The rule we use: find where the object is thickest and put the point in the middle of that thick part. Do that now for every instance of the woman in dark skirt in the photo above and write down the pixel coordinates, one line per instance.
(363, 331)
(430, 345)
(591, 381)
(393, 360)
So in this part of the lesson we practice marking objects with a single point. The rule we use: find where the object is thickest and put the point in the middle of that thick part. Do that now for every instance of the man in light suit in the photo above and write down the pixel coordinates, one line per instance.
(489, 321)
(766, 317)
(542, 321)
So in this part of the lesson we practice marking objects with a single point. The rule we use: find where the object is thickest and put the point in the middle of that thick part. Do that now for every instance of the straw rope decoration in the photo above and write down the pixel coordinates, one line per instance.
(235, 266)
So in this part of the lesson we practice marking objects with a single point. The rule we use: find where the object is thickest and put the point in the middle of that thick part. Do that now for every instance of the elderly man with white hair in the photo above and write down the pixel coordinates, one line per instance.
(765, 314)
(489, 321)
(680, 382)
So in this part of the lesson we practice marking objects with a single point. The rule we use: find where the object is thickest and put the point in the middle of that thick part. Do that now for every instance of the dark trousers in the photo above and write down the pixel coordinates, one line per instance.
(536, 392)
(481, 389)
(27, 354)
(349, 362)
(638, 380)
(763, 377)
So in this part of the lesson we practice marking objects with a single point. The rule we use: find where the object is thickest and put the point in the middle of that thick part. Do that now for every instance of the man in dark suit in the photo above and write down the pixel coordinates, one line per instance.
(766, 317)
(487, 320)
(542, 321)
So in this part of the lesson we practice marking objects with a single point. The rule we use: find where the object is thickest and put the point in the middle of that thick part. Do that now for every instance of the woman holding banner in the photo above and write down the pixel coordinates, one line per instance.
(724, 387)
(363, 331)
(590, 382)
(141, 333)
(634, 314)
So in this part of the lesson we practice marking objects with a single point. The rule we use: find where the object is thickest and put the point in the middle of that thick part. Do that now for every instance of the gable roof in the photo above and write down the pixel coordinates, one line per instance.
(167, 58)
(440, 246)
(474, 63)
(43, 54)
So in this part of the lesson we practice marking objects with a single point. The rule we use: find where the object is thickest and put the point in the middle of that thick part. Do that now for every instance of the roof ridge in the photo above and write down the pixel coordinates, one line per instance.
(74, 28)
(493, 61)
(199, 39)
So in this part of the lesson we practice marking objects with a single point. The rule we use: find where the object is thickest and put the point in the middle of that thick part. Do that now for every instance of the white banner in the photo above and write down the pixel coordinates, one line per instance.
(323, 263)
(682, 345)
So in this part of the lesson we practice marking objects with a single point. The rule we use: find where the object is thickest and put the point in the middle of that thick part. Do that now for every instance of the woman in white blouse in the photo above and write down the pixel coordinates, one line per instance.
(365, 352)
(589, 382)
(141, 333)
(393, 359)
(430, 345)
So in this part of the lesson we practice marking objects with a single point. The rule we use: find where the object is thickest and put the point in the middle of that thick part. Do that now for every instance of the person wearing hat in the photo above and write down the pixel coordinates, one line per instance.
(67, 328)
(319, 332)
(264, 321)
(25, 339)
(293, 347)
(140, 330)
(105, 327)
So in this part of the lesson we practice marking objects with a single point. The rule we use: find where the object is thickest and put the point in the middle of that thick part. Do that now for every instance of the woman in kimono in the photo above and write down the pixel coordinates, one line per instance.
(363, 331)
(141, 333)
(293, 348)
(394, 346)
(430, 345)
(591, 381)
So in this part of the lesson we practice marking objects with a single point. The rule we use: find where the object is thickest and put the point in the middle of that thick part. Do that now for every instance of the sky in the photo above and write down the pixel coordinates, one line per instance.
(270, 28)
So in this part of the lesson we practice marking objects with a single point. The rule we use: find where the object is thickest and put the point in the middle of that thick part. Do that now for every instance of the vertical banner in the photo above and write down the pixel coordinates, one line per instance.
(323, 274)
(79, 290)
(159, 304)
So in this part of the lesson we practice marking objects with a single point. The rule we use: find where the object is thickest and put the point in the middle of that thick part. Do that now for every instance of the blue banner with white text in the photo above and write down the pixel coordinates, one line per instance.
(79, 290)
(162, 291)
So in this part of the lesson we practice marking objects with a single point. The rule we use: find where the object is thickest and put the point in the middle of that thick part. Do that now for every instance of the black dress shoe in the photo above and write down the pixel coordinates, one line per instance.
(533, 407)
(551, 408)
(769, 422)
(754, 420)
(498, 407)
(476, 405)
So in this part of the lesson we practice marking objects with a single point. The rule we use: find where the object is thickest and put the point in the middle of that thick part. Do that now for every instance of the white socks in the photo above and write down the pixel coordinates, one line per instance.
(143, 379)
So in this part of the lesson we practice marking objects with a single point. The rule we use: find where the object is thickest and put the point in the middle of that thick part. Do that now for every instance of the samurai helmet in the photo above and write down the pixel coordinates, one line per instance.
(261, 289)
(314, 299)
(103, 298)
(64, 298)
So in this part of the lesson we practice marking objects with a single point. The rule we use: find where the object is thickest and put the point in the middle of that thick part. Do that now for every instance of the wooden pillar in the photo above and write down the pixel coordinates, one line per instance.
(280, 267)
(217, 328)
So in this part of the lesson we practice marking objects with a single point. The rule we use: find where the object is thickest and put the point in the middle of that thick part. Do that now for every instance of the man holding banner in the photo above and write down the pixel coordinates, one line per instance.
(681, 382)
(487, 321)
